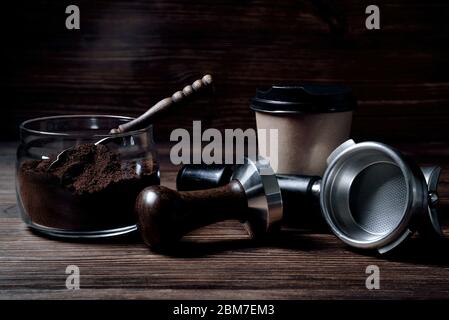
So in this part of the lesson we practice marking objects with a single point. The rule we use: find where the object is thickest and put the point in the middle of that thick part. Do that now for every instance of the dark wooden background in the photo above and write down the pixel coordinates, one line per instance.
(129, 54)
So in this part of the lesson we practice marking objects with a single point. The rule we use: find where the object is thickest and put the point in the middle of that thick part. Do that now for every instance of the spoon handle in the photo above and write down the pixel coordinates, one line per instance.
(166, 215)
(179, 96)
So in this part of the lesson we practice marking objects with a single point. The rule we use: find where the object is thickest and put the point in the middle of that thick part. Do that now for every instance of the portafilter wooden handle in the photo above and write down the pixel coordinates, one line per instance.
(179, 96)
(165, 215)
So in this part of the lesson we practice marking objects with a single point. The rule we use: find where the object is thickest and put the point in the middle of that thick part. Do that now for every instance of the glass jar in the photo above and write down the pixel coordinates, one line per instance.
(90, 191)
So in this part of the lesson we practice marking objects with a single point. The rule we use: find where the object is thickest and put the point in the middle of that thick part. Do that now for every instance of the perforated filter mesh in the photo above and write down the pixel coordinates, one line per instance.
(378, 198)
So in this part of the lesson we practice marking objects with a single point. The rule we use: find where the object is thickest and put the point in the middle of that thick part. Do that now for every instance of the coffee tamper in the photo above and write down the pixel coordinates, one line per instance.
(299, 192)
(252, 196)
(371, 196)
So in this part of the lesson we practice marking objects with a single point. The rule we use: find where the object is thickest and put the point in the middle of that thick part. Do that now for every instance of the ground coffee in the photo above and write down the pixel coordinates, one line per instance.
(90, 189)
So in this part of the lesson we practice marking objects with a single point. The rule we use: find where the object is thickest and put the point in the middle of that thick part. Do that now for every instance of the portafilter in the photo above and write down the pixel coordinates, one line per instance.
(371, 196)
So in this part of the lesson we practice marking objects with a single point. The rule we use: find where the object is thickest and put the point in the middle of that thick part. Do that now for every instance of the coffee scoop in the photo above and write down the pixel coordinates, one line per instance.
(252, 196)
(371, 196)
(148, 117)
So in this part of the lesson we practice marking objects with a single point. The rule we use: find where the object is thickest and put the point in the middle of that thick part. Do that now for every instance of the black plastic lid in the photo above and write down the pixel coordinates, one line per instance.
(304, 99)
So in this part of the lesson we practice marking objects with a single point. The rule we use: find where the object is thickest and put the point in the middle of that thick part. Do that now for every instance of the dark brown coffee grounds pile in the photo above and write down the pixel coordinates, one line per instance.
(87, 168)
(89, 188)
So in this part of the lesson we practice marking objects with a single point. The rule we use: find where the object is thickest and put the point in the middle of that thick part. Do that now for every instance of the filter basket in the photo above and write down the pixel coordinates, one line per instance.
(371, 195)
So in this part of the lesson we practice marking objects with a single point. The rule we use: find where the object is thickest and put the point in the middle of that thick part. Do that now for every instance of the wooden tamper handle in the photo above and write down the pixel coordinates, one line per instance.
(179, 96)
(166, 215)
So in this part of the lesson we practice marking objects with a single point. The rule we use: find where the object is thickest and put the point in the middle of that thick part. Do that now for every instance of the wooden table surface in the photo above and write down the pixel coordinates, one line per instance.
(218, 262)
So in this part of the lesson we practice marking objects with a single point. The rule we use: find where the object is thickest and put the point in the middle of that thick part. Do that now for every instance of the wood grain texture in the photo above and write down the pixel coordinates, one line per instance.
(130, 54)
(217, 262)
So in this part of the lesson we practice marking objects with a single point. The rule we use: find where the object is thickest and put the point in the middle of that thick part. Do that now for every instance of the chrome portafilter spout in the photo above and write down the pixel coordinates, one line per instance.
(371, 196)
(252, 196)
(432, 227)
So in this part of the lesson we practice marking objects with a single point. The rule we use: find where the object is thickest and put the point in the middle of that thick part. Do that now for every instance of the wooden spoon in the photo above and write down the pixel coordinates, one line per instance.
(146, 118)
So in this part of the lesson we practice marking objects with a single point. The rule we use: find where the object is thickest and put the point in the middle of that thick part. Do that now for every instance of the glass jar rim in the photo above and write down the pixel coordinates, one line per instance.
(24, 124)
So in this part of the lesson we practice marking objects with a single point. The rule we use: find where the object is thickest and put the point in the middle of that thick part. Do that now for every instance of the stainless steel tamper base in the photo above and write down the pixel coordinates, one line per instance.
(263, 193)
(373, 198)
